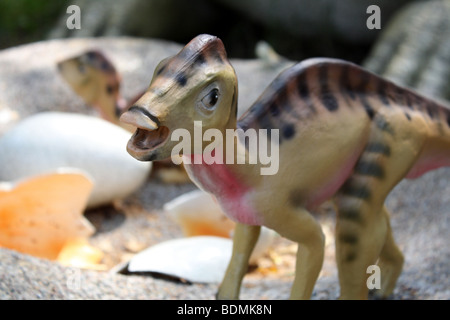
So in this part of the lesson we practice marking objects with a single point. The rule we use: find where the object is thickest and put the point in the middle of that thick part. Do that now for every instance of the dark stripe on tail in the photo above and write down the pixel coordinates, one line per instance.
(303, 90)
(328, 99)
(346, 87)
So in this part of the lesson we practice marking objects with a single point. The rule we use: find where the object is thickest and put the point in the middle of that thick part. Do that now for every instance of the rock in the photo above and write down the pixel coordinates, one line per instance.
(46, 141)
(324, 19)
(414, 49)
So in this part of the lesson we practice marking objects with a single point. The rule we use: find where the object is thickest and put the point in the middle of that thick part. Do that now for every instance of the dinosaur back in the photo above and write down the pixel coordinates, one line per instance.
(320, 87)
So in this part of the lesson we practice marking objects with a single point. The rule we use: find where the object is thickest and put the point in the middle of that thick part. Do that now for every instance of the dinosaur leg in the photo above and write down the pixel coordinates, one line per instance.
(390, 262)
(301, 227)
(358, 244)
(244, 240)
(362, 229)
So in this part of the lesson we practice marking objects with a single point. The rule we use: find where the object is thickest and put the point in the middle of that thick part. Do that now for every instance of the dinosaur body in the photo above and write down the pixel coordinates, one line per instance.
(344, 133)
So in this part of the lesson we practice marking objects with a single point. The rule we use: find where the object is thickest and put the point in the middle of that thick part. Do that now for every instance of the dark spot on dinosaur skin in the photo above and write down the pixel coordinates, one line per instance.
(288, 131)
(369, 109)
(431, 110)
(110, 89)
(327, 97)
(360, 192)
(365, 79)
(351, 256)
(372, 169)
(408, 100)
(91, 55)
(383, 125)
(217, 57)
(297, 198)
(346, 87)
(274, 109)
(329, 101)
(407, 116)
(199, 59)
(351, 214)
(265, 123)
(348, 238)
(361, 93)
(181, 79)
(378, 147)
(105, 66)
(382, 92)
(303, 91)
(302, 86)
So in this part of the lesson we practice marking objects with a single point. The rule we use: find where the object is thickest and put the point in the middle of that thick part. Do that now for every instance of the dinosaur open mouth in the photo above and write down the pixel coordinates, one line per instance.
(143, 141)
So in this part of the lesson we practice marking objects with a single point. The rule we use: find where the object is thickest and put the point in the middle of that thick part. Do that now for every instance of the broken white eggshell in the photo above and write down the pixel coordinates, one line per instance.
(204, 255)
(45, 141)
(198, 214)
(200, 259)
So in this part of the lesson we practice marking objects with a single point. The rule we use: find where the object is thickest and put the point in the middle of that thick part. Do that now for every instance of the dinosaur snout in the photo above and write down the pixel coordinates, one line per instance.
(141, 118)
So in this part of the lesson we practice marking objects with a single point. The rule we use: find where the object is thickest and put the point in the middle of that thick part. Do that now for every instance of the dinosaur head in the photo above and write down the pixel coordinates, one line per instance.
(197, 84)
(92, 76)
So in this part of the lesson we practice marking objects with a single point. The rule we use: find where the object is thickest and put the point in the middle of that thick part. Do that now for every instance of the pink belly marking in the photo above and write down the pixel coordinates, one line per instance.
(333, 184)
(230, 192)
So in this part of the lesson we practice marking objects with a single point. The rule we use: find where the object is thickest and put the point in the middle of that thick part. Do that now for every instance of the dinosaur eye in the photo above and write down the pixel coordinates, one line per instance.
(211, 98)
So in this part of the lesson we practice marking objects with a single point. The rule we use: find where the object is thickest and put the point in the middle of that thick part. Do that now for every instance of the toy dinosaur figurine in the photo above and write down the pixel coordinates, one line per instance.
(344, 134)
(95, 79)
(93, 76)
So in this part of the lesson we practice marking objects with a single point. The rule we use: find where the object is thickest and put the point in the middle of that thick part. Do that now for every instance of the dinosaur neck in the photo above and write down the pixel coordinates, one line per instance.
(222, 167)
(228, 182)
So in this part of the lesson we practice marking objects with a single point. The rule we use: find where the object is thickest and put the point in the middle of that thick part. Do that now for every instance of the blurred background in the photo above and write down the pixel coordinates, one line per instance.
(412, 46)
(295, 28)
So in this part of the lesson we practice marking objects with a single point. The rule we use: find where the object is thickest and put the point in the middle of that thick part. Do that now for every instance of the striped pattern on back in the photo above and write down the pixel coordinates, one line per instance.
(322, 85)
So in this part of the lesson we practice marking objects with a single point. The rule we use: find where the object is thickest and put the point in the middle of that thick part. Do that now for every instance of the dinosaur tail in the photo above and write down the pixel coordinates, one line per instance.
(436, 149)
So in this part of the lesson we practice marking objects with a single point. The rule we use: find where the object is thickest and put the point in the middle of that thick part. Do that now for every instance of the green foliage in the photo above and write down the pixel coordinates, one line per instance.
(27, 20)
